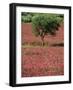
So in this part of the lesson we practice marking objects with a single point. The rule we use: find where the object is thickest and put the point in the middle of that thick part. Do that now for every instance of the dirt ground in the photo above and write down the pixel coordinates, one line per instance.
(42, 61)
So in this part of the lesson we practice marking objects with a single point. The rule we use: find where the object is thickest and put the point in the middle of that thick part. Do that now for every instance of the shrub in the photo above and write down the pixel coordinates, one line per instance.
(26, 19)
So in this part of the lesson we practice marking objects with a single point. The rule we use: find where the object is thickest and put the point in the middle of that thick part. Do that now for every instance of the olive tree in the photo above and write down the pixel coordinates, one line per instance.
(43, 25)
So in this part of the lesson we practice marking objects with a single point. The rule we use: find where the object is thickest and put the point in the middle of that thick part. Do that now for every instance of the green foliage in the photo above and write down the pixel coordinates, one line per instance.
(44, 24)
(26, 18)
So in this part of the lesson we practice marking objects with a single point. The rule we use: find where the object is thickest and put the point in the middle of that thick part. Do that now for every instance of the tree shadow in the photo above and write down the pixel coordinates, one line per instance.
(57, 45)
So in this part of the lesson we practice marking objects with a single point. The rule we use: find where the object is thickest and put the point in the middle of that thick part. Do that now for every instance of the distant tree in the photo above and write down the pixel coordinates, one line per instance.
(26, 18)
(43, 25)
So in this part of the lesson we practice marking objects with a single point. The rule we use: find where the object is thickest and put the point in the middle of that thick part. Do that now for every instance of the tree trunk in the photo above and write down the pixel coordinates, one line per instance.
(42, 38)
